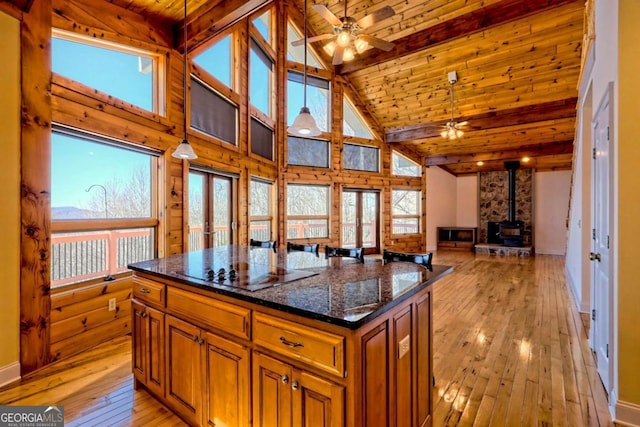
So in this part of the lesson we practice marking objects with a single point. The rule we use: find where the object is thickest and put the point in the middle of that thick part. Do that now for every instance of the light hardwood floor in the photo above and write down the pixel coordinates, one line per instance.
(510, 349)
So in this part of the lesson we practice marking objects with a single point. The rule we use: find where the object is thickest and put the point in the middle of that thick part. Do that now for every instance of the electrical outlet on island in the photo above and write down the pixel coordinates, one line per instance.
(112, 304)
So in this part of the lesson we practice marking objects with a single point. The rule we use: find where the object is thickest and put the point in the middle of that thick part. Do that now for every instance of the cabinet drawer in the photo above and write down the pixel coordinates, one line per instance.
(148, 291)
(217, 314)
(321, 349)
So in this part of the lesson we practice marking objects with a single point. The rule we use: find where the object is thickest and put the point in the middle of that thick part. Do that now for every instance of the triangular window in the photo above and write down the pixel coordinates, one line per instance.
(354, 124)
(296, 53)
(217, 60)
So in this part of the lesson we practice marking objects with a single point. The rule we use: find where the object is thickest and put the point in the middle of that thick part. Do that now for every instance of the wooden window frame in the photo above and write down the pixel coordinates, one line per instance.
(271, 203)
(417, 216)
(397, 153)
(326, 217)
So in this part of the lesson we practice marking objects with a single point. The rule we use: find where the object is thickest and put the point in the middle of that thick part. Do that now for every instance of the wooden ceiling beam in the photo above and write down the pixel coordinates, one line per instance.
(545, 163)
(213, 17)
(553, 110)
(532, 151)
(472, 22)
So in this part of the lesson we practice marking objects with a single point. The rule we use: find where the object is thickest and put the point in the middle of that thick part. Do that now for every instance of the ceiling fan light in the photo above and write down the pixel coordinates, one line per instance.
(344, 38)
(348, 54)
(444, 133)
(304, 124)
(459, 133)
(330, 48)
(361, 45)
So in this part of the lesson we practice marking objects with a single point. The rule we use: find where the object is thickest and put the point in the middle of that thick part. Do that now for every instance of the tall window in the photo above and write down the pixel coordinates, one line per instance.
(103, 207)
(260, 79)
(318, 98)
(260, 209)
(217, 60)
(406, 208)
(132, 75)
(213, 114)
(307, 211)
(401, 165)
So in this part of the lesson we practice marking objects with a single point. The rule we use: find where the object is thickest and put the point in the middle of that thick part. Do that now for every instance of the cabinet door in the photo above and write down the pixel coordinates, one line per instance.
(184, 369)
(271, 392)
(228, 400)
(155, 350)
(316, 402)
(139, 342)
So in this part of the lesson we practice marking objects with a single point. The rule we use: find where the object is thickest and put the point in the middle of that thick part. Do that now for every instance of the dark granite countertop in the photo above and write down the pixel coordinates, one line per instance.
(341, 291)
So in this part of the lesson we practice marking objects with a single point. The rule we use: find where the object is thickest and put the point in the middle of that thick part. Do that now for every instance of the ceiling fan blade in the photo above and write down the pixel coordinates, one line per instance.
(376, 42)
(323, 11)
(313, 39)
(337, 55)
(377, 16)
(463, 123)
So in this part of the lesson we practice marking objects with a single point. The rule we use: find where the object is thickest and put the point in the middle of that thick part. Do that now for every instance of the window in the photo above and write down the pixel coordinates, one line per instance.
(354, 124)
(102, 207)
(260, 209)
(261, 139)
(318, 98)
(296, 53)
(217, 60)
(263, 24)
(307, 152)
(307, 211)
(361, 157)
(129, 74)
(405, 211)
(213, 114)
(260, 79)
(400, 165)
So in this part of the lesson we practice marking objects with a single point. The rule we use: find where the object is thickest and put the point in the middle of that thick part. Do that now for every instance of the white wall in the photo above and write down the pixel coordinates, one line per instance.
(551, 206)
(441, 203)
(467, 201)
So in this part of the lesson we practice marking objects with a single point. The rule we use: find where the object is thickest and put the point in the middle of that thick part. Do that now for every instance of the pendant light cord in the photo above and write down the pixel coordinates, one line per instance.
(185, 70)
(305, 54)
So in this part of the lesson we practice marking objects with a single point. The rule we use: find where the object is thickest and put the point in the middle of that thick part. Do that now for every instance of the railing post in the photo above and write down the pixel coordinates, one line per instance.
(112, 252)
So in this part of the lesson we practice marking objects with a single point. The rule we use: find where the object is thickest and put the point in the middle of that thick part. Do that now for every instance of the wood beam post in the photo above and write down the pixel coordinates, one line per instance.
(35, 302)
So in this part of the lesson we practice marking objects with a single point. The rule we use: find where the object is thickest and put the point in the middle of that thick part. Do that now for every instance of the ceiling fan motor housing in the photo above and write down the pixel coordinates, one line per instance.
(453, 77)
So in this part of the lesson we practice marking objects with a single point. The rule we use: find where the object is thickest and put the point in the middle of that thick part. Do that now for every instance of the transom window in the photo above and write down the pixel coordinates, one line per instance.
(103, 207)
(353, 123)
(307, 152)
(318, 98)
(132, 75)
(401, 165)
(260, 209)
(307, 211)
(263, 24)
(406, 208)
(361, 157)
(217, 60)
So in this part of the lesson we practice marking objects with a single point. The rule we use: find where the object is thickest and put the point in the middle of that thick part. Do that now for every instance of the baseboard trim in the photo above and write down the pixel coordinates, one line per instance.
(9, 373)
(627, 414)
(560, 252)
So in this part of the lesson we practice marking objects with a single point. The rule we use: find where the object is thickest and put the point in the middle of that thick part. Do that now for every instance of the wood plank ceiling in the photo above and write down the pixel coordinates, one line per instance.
(518, 64)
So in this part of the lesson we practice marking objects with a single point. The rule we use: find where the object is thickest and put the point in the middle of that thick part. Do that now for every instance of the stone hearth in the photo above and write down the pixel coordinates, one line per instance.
(493, 249)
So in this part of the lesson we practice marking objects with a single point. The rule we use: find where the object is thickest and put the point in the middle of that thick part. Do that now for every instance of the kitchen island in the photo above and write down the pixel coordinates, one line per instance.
(239, 336)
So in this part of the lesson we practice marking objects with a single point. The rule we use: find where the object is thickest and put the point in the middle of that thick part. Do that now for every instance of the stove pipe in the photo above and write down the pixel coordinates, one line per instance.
(511, 168)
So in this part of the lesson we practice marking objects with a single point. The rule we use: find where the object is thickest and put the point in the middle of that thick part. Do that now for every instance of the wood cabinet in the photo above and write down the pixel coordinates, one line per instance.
(284, 396)
(148, 347)
(464, 238)
(235, 363)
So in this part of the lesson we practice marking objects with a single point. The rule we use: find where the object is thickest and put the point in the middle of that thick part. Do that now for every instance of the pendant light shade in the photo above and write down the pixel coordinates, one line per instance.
(185, 150)
(304, 124)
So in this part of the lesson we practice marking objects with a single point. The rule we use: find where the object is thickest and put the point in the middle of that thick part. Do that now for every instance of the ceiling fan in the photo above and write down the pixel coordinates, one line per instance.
(347, 38)
(452, 129)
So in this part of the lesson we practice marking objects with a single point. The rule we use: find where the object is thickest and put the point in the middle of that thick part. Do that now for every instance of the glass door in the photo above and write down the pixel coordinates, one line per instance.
(211, 213)
(361, 220)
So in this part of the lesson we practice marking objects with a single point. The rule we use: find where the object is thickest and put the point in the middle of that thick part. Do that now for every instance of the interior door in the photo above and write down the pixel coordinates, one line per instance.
(361, 220)
(211, 212)
(601, 286)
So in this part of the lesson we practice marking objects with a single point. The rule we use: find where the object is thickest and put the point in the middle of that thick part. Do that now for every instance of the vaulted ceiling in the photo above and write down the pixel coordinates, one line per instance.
(518, 64)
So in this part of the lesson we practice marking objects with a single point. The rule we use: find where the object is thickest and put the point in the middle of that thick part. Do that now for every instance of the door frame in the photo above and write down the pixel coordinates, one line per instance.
(359, 191)
(606, 102)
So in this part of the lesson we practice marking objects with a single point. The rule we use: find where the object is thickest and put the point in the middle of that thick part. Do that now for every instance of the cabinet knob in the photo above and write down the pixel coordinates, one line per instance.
(144, 291)
(143, 314)
(195, 338)
(285, 379)
(294, 385)
(201, 341)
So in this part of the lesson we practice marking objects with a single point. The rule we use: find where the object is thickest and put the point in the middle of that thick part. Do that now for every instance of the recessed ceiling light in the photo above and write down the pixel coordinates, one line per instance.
(526, 159)
(480, 163)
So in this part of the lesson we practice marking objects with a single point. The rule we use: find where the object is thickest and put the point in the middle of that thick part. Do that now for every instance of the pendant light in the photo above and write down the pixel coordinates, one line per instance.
(304, 124)
(185, 150)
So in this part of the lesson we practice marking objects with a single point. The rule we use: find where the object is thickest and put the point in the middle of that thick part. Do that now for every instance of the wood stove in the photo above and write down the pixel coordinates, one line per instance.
(511, 231)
